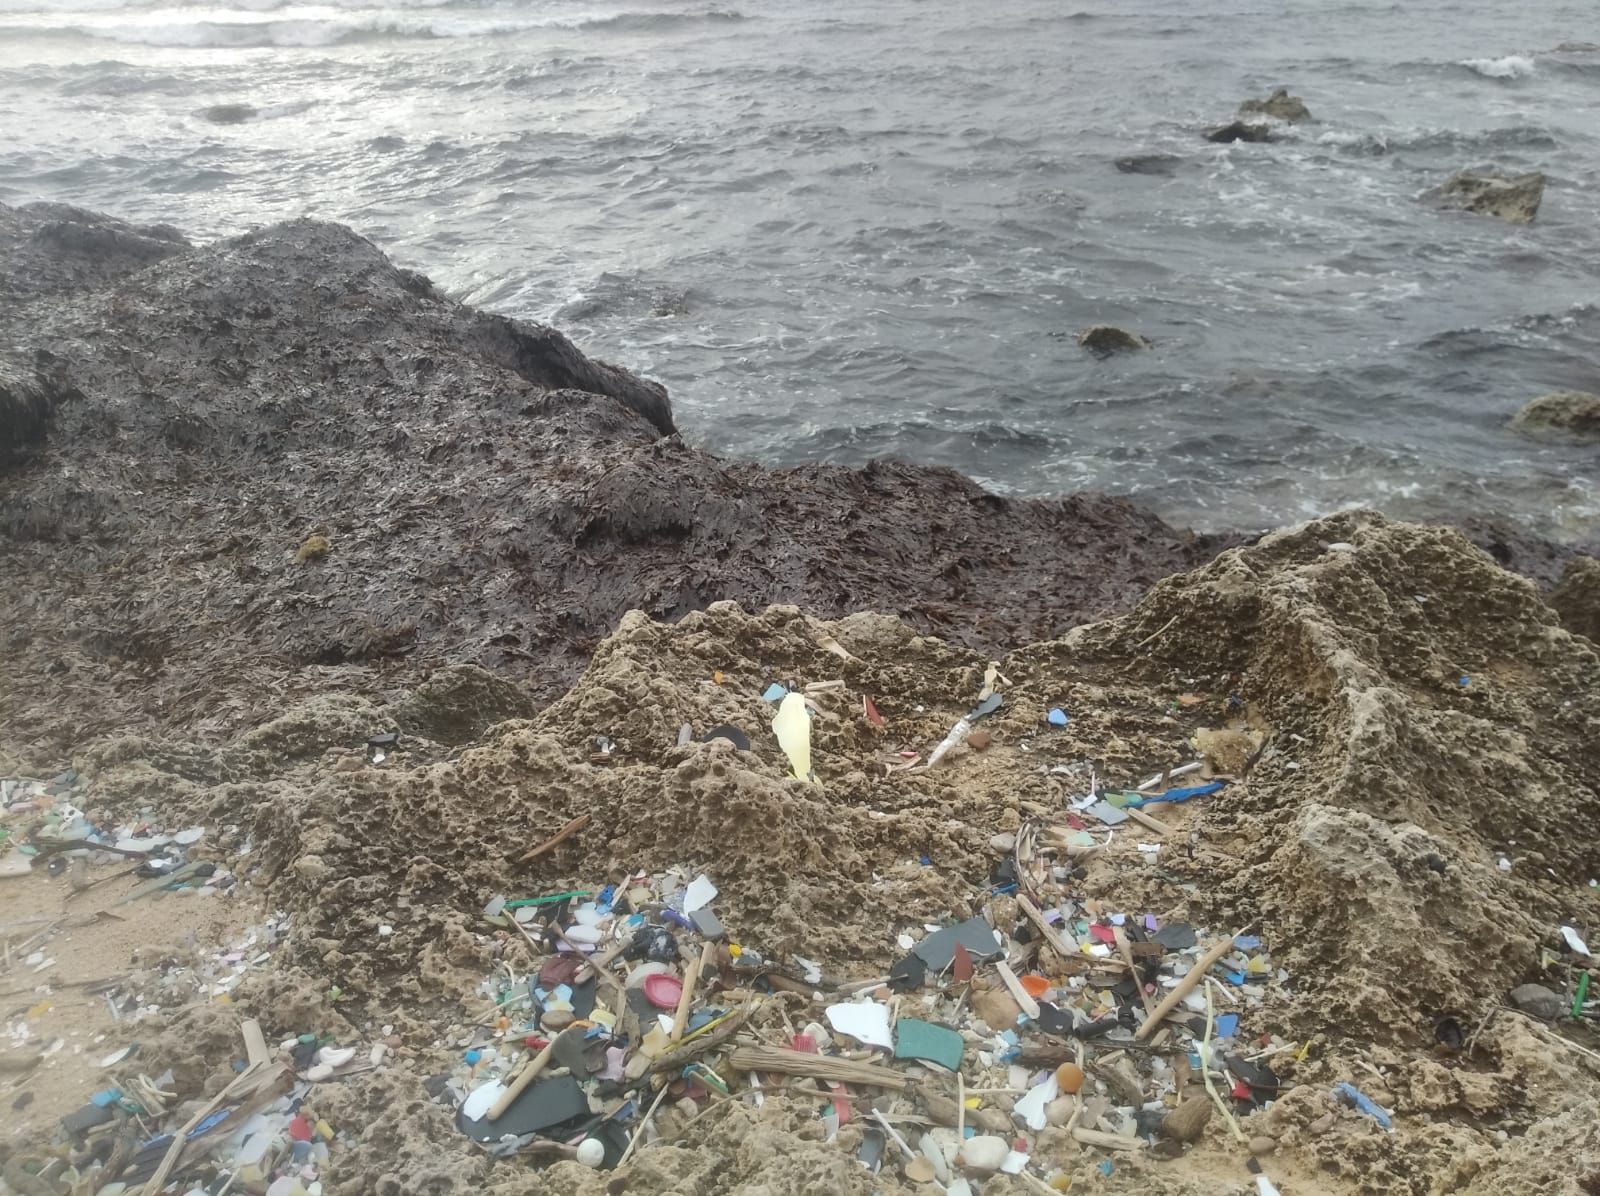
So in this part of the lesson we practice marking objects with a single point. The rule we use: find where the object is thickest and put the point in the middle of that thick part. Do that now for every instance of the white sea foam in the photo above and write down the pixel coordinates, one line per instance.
(260, 23)
(1512, 66)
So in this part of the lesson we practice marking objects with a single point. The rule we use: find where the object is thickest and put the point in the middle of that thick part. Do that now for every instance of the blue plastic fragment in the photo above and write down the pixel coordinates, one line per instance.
(926, 861)
(1106, 1168)
(210, 1123)
(1057, 718)
(472, 1058)
(775, 693)
(1354, 1096)
(1235, 977)
(104, 1100)
(1227, 1025)
(1464, 680)
(1246, 942)
(1181, 795)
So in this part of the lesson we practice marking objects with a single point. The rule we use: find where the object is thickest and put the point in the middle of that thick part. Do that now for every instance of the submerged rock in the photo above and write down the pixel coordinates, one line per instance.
(1157, 164)
(1577, 597)
(1573, 412)
(1280, 105)
(227, 114)
(1105, 339)
(1240, 130)
(1512, 198)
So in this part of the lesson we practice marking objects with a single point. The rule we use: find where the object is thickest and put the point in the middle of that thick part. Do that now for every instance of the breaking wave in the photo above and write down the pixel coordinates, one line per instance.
(357, 27)
(1512, 66)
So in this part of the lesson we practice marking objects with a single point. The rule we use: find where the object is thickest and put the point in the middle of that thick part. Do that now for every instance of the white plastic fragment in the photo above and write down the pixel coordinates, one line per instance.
(1573, 941)
(1031, 1106)
(699, 894)
(866, 1021)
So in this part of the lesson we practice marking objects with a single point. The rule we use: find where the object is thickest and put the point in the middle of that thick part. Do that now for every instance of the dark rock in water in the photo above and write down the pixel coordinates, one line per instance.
(1512, 198)
(1577, 598)
(496, 497)
(1106, 339)
(1158, 164)
(1280, 105)
(1574, 413)
(1240, 130)
(227, 114)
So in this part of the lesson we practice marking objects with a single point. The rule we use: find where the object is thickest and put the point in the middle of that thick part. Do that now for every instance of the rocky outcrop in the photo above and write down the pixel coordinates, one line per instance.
(1240, 130)
(1573, 413)
(289, 456)
(1577, 598)
(52, 248)
(1280, 105)
(1104, 340)
(1512, 198)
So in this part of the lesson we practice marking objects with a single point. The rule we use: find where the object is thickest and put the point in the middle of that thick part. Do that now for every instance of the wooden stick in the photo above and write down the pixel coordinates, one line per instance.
(1051, 934)
(691, 977)
(699, 1043)
(255, 1043)
(861, 986)
(638, 1134)
(525, 1076)
(1146, 821)
(533, 853)
(1183, 988)
(249, 1078)
(1107, 1141)
(819, 1067)
(1018, 994)
(1127, 958)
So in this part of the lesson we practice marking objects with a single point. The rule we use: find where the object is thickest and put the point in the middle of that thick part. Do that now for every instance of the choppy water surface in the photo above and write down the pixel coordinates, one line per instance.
(838, 231)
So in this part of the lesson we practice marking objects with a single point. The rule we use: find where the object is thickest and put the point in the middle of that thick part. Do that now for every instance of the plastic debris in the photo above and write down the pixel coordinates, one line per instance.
(865, 1021)
(792, 726)
(1357, 1099)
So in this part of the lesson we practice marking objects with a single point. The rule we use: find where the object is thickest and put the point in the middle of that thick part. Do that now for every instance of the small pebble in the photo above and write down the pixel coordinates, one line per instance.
(1261, 1144)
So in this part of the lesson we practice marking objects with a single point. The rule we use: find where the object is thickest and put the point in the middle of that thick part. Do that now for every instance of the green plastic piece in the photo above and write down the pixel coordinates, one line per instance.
(928, 1042)
(550, 900)
(1583, 991)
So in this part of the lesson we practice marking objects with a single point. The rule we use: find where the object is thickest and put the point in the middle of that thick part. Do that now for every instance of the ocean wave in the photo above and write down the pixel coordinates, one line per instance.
(1512, 66)
(310, 32)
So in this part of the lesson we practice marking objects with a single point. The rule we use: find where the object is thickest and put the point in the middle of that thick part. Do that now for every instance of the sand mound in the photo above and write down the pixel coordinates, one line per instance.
(1408, 840)
(1413, 720)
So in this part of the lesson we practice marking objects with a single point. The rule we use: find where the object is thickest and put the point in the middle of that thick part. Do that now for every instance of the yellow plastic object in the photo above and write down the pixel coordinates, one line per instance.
(792, 726)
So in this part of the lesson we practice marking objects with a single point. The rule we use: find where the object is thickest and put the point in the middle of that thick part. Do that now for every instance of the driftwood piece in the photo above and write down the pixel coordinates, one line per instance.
(820, 1067)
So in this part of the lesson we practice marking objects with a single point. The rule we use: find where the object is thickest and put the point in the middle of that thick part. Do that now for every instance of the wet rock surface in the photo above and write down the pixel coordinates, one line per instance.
(1573, 413)
(1512, 198)
(1280, 105)
(280, 461)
